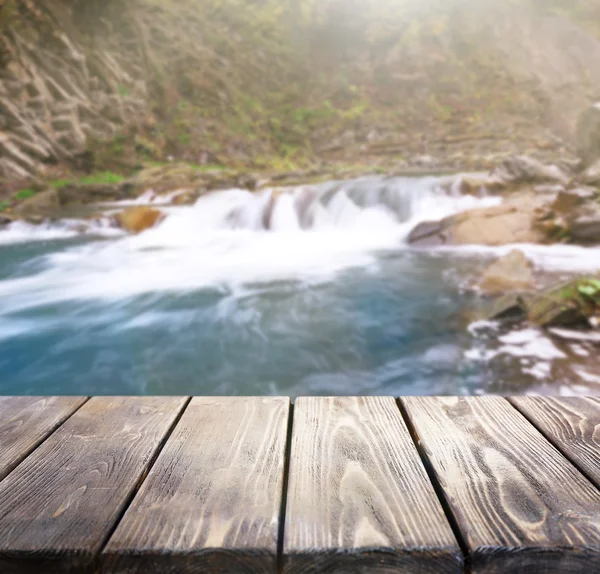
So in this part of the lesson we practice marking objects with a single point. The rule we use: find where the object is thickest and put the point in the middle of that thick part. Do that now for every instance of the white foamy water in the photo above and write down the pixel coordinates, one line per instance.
(237, 237)
(22, 232)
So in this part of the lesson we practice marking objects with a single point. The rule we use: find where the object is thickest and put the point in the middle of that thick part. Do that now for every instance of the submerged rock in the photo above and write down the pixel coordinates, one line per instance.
(138, 219)
(513, 272)
(588, 135)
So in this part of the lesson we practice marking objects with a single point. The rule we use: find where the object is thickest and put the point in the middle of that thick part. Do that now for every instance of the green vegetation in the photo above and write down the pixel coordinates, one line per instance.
(4, 205)
(589, 288)
(24, 194)
(100, 178)
(105, 177)
(60, 183)
(283, 84)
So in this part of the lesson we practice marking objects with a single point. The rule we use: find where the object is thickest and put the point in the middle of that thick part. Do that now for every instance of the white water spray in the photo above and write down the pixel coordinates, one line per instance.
(235, 237)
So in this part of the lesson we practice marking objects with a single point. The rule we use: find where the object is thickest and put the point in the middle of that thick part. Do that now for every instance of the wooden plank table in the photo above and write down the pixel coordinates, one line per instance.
(346, 485)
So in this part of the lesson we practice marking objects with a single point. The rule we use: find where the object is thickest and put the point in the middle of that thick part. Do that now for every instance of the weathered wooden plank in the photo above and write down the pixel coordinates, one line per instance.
(359, 499)
(60, 504)
(212, 502)
(26, 421)
(520, 505)
(572, 424)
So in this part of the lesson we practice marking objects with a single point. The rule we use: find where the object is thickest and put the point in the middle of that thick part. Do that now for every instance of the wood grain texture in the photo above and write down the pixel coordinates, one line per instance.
(60, 504)
(212, 502)
(571, 424)
(359, 499)
(520, 505)
(26, 421)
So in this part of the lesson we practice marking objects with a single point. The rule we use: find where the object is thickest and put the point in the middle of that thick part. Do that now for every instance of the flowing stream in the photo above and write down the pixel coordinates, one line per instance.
(304, 291)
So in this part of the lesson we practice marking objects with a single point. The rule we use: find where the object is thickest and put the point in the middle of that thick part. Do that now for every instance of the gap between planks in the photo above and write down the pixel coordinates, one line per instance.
(284, 490)
(437, 487)
(559, 445)
(44, 436)
(144, 475)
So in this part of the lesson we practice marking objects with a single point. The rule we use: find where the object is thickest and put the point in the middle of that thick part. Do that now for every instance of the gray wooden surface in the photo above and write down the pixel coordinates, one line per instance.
(520, 505)
(26, 421)
(359, 499)
(60, 504)
(212, 501)
(572, 424)
(164, 485)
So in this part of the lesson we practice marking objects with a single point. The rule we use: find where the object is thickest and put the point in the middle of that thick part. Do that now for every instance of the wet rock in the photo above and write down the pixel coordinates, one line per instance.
(430, 234)
(513, 272)
(575, 303)
(43, 203)
(569, 199)
(511, 307)
(562, 305)
(585, 228)
(500, 225)
(138, 219)
(35, 219)
(591, 176)
(5, 220)
(588, 135)
(523, 169)
(474, 184)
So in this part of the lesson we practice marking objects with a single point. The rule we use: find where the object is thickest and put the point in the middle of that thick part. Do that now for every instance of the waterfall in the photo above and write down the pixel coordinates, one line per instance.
(371, 202)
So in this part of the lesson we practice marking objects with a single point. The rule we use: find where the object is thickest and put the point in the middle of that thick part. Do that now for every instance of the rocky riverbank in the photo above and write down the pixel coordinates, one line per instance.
(540, 203)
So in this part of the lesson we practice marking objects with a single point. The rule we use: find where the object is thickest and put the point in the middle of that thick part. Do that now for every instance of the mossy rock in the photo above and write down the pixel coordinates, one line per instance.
(569, 303)
(511, 307)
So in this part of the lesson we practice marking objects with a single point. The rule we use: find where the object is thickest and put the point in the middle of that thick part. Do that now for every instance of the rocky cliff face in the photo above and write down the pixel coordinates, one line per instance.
(90, 83)
(59, 92)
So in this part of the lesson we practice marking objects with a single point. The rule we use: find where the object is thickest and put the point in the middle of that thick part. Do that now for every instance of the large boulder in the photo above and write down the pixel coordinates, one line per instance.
(513, 272)
(512, 222)
(588, 135)
(138, 219)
